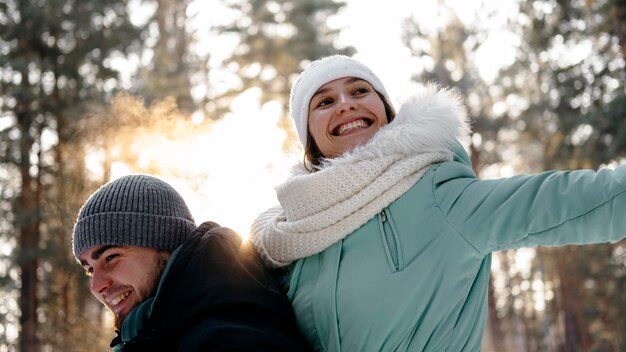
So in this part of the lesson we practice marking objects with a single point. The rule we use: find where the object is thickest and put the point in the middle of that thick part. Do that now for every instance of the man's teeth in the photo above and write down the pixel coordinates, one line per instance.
(350, 126)
(119, 298)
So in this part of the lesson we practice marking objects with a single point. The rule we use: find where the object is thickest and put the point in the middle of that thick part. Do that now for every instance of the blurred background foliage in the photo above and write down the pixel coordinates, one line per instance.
(81, 80)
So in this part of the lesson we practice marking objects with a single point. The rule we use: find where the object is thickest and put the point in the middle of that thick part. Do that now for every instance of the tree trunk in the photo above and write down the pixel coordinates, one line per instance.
(618, 12)
(495, 334)
(28, 230)
(576, 336)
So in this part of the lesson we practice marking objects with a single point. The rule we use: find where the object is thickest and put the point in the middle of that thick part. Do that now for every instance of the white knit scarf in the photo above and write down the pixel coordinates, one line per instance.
(318, 209)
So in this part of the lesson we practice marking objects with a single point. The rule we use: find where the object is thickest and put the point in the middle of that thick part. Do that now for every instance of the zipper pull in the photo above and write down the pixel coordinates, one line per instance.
(383, 216)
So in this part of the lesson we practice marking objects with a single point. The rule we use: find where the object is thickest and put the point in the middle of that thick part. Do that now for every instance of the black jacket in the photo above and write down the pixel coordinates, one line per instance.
(217, 296)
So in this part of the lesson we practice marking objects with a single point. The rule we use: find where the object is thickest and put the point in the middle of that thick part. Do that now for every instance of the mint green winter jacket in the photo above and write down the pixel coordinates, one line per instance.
(414, 274)
(422, 266)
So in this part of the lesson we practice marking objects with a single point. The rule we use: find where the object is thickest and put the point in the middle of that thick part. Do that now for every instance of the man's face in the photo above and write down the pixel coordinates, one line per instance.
(123, 276)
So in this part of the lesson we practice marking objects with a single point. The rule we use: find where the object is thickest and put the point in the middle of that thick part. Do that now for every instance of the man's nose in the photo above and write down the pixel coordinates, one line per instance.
(100, 282)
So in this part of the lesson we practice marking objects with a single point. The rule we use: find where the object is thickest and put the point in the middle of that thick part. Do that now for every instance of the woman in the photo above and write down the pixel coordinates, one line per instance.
(385, 231)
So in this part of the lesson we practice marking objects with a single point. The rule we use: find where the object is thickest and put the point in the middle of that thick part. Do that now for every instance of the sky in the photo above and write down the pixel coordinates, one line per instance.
(241, 159)
(375, 31)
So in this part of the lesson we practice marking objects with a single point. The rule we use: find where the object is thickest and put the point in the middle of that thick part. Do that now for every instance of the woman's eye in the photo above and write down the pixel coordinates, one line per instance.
(324, 102)
(110, 257)
(361, 90)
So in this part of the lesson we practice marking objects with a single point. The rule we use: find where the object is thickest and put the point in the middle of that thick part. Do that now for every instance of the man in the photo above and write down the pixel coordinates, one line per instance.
(172, 286)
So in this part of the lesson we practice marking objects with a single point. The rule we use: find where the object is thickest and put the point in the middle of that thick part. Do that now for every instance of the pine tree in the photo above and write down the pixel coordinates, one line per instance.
(55, 58)
(570, 72)
(277, 38)
(561, 113)
(171, 71)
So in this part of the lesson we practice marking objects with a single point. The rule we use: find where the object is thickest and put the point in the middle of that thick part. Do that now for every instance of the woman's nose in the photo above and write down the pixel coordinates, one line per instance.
(345, 103)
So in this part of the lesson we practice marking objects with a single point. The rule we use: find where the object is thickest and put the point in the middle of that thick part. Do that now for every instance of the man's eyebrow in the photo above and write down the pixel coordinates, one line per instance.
(97, 253)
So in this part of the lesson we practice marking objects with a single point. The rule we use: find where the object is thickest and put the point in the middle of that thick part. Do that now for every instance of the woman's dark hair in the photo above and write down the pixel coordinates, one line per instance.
(312, 154)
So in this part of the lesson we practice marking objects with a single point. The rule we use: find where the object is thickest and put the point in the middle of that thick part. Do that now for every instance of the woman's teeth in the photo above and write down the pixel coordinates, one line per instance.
(351, 126)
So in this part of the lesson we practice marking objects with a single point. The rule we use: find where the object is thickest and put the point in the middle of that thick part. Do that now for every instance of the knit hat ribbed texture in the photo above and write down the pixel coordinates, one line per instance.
(320, 72)
(134, 210)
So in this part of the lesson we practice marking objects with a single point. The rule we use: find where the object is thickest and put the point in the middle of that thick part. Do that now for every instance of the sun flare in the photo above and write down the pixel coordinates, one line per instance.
(225, 170)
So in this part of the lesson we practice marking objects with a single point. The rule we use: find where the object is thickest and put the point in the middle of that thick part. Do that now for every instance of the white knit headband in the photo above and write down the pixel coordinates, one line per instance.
(320, 72)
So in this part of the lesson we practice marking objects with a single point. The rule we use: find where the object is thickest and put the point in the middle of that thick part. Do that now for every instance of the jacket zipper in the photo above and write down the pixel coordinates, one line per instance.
(392, 244)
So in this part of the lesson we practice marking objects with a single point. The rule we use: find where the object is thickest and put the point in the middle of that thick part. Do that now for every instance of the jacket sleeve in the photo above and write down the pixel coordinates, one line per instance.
(553, 208)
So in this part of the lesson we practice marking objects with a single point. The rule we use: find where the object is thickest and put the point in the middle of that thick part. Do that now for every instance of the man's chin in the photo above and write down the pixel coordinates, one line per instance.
(118, 320)
(122, 313)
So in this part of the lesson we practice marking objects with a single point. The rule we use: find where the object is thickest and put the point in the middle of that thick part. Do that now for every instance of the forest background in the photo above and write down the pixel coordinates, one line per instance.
(196, 92)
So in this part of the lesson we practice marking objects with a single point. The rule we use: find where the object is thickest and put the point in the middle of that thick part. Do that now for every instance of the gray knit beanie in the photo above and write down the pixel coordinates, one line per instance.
(320, 72)
(134, 210)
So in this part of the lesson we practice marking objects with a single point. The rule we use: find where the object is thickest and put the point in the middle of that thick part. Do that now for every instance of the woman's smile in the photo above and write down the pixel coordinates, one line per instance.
(351, 126)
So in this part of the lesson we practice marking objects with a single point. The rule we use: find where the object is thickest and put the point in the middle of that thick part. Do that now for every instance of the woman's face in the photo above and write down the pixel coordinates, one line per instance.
(343, 114)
